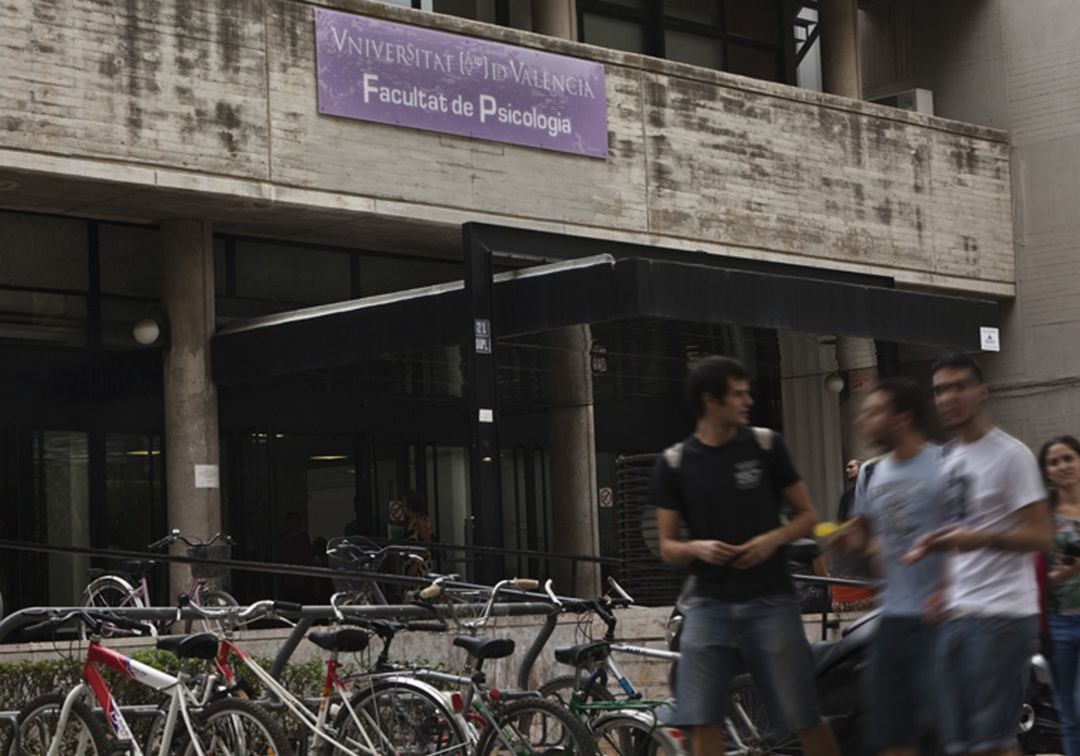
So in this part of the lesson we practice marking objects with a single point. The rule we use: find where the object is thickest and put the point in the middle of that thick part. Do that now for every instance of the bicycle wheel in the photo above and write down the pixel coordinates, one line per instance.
(110, 592)
(84, 734)
(562, 687)
(212, 600)
(235, 726)
(403, 717)
(624, 734)
(536, 725)
(747, 727)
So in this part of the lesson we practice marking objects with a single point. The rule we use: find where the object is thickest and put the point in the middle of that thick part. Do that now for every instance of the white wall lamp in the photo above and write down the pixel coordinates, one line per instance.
(834, 383)
(152, 329)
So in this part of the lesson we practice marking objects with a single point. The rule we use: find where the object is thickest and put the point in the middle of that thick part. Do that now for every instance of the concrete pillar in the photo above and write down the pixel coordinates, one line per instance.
(572, 454)
(840, 73)
(555, 18)
(192, 461)
(812, 428)
(857, 360)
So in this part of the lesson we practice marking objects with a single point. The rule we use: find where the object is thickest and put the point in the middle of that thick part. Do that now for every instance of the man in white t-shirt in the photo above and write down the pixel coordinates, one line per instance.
(998, 515)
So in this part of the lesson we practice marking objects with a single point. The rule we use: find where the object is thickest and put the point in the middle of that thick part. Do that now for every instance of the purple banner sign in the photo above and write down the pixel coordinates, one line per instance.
(375, 70)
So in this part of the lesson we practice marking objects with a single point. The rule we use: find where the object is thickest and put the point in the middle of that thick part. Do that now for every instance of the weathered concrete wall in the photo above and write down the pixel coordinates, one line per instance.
(1016, 66)
(220, 100)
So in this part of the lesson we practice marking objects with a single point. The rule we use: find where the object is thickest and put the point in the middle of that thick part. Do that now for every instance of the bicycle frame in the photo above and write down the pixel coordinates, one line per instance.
(316, 723)
(94, 685)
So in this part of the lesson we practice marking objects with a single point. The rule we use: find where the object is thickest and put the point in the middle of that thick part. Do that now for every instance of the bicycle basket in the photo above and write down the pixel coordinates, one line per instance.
(352, 556)
(210, 571)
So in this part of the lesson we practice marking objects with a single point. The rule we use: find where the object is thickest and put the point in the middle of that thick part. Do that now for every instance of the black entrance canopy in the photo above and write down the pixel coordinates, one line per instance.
(595, 281)
(573, 281)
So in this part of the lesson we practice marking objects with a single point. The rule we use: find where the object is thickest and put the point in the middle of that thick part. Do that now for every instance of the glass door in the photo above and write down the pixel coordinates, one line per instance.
(62, 501)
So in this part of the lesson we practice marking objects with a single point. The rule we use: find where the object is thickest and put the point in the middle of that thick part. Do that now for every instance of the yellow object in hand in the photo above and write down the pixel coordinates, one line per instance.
(828, 529)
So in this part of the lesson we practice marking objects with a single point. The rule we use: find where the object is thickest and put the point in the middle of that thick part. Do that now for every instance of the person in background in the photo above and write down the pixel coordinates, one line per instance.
(417, 522)
(293, 548)
(1059, 460)
(355, 527)
(856, 566)
(321, 588)
(851, 474)
(418, 529)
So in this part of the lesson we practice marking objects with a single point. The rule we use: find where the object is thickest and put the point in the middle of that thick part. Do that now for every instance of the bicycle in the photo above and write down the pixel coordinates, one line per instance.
(502, 722)
(392, 714)
(57, 723)
(115, 590)
(626, 723)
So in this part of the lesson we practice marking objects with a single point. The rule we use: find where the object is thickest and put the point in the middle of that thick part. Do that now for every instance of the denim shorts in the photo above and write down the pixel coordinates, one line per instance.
(981, 664)
(765, 634)
(899, 683)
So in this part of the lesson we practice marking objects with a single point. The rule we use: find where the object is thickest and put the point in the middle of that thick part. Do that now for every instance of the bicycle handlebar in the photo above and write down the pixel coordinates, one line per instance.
(94, 620)
(175, 535)
(264, 608)
(371, 554)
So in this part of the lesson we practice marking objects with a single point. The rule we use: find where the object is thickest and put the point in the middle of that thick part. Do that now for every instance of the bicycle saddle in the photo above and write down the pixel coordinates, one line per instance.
(583, 655)
(198, 646)
(485, 648)
(138, 567)
(346, 639)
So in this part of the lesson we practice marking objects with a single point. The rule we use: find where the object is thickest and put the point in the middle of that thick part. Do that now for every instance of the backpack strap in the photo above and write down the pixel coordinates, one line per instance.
(869, 466)
(673, 456)
(764, 438)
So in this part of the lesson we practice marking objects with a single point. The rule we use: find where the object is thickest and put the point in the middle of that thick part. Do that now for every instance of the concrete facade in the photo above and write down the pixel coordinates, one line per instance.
(1012, 66)
(155, 110)
(193, 114)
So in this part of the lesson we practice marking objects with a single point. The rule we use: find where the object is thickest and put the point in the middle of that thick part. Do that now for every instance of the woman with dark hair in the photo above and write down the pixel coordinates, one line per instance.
(1059, 460)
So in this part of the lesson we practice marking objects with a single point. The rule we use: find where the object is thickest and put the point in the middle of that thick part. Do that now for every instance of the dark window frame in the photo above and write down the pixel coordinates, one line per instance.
(650, 16)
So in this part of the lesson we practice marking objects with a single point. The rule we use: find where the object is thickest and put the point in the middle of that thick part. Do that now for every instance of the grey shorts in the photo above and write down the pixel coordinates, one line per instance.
(767, 635)
(981, 664)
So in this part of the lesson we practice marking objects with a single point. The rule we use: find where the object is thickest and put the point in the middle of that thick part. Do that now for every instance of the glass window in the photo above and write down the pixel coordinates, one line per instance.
(753, 18)
(614, 33)
(754, 61)
(698, 11)
(62, 493)
(521, 16)
(291, 275)
(42, 252)
(452, 494)
(42, 317)
(134, 504)
(481, 10)
(694, 49)
(130, 260)
(379, 275)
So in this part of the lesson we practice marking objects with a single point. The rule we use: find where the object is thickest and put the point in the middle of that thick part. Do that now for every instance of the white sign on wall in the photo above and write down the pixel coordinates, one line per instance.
(990, 339)
(207, 476)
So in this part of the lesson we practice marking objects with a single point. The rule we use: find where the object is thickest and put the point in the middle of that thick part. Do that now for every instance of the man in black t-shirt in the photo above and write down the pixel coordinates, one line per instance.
(725, 482)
